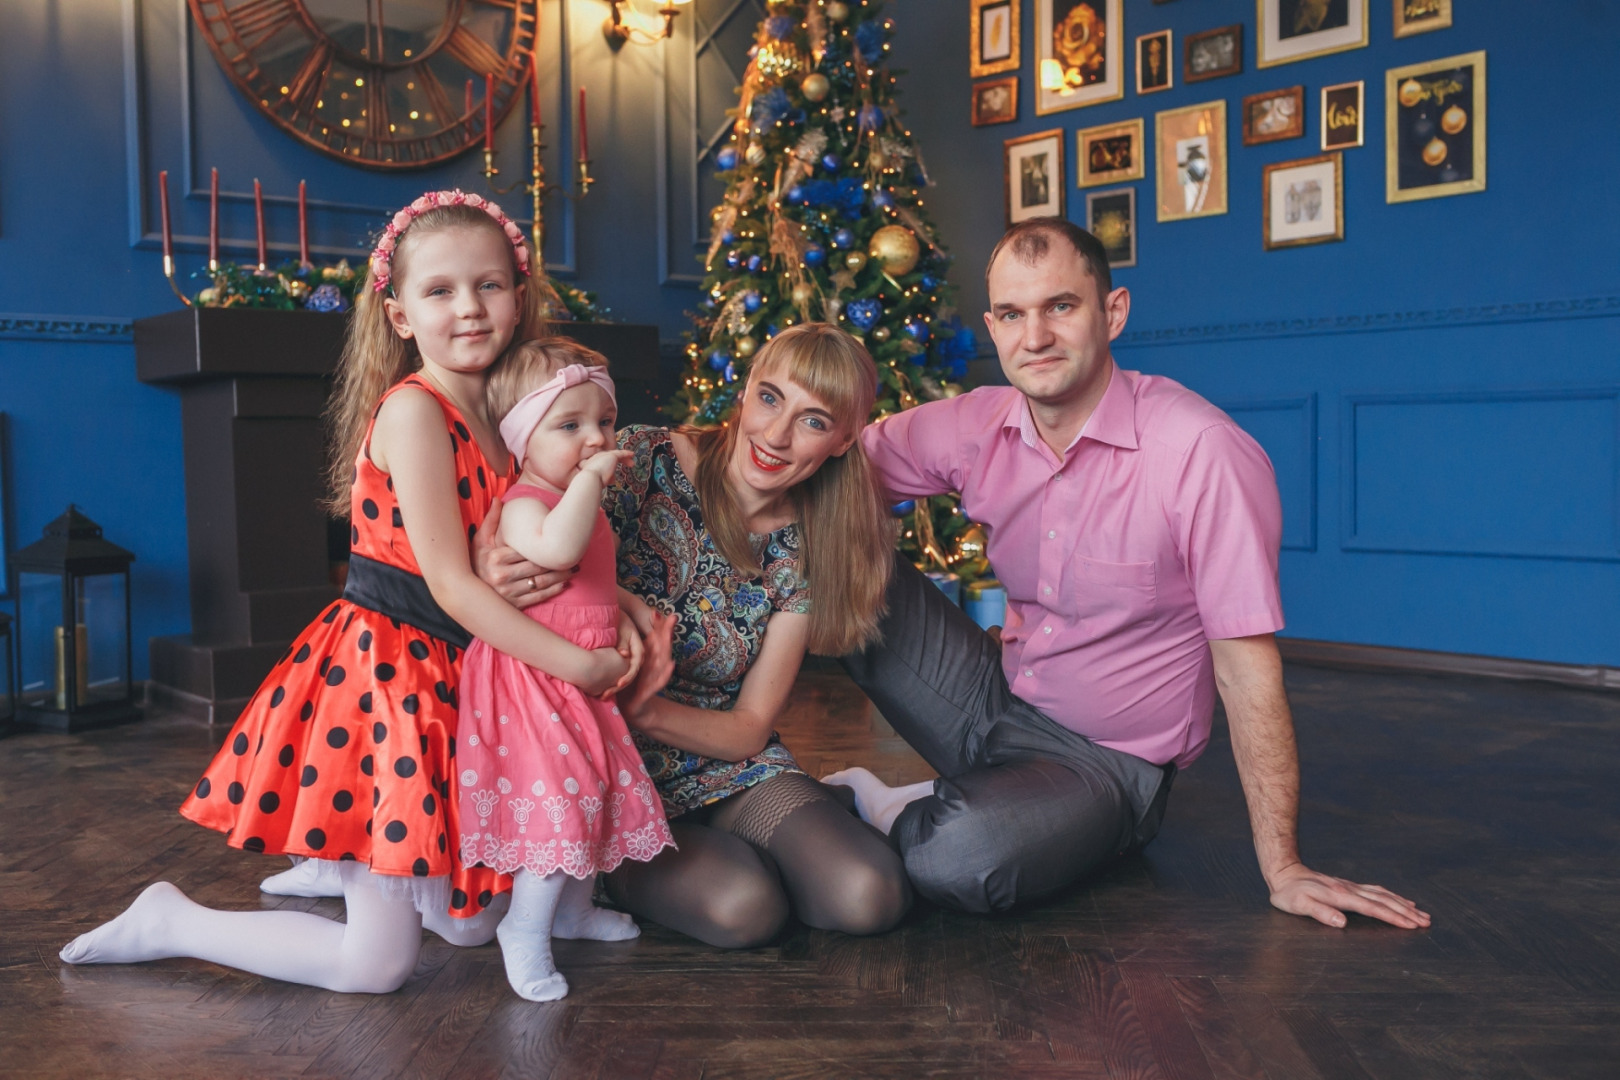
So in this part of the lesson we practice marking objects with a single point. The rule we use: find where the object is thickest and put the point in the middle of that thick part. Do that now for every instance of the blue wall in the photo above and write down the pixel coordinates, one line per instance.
(1438, 391)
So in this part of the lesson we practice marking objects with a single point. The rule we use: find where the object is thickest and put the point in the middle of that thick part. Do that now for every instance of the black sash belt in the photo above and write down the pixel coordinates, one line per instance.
(400, 594)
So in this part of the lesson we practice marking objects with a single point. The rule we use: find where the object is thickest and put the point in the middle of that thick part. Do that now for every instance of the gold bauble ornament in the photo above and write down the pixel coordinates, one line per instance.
(1453, 120)
(856, 261)
(745, 346)
(1435, 152)
(837, 11)
(951, 390)
(895, 249)
(815, 87)
(754, 154)
(972, 542)
(880, 334)
(1411, 93)
(779, 59)
(803, 293)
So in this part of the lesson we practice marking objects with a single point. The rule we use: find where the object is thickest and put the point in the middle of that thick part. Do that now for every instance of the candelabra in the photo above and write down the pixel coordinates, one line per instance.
(536, 187)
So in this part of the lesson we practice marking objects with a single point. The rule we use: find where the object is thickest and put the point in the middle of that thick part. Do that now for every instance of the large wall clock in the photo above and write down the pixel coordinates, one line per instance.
(389, 84)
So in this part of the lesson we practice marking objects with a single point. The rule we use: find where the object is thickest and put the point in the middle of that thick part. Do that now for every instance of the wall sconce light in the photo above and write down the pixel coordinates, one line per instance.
(619, 27)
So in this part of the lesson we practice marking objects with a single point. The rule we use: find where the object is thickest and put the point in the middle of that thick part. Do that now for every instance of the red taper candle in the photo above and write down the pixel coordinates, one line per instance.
(213, 219)
(258, 213)
(163, 202)
(303, 226)
(489, 112)
(534, 89)
(584, 141)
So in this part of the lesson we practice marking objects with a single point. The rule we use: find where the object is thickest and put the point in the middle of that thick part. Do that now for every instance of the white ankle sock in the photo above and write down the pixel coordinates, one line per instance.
(877, 803)
(580, 920)
(525, 936)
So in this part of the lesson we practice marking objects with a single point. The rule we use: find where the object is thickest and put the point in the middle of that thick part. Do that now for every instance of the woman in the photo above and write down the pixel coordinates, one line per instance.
(765, 537)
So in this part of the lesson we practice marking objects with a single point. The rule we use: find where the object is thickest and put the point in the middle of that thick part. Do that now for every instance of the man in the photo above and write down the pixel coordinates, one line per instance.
(1136, 529)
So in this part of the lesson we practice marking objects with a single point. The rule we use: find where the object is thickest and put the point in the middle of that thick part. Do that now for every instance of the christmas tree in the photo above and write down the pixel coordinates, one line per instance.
(823, 219)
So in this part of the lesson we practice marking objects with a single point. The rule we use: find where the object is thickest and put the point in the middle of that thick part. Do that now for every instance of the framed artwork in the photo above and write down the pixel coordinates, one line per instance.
(996, 101)
(1111, 218)
(1421, 16)
(5, 569)
(1191, 161)
(1213, 53)
(1342, 115)
(1155, 69)
(1109, 153)
(1274, 115)
(994, 37)
(1079, 53)
(1434, 128)
(1289, 30)
(1303, 201)
(1032, 173)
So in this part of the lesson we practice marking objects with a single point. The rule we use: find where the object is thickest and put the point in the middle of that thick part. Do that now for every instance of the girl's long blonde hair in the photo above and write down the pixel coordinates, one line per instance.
(375, 357)
(846, 532)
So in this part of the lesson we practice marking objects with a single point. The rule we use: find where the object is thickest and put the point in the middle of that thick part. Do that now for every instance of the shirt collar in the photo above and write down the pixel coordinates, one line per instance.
(1113, 422)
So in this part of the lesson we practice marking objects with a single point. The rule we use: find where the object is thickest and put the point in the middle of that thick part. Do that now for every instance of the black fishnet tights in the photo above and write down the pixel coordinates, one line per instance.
(783, 846)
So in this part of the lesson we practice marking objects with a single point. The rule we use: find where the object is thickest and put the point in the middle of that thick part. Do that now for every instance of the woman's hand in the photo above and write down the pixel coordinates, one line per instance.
(656, 666)
(520, 582)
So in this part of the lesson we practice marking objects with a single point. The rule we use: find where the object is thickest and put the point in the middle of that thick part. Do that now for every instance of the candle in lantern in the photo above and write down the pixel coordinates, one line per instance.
(534, 89)
(303, 226)
(213, 220)
(168, 239)
(584, 144)
(258, 213)
(489, 112)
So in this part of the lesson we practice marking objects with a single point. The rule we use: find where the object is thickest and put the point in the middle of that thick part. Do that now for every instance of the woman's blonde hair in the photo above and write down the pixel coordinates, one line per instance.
(846, 532)
(529, 365)
(375, 357)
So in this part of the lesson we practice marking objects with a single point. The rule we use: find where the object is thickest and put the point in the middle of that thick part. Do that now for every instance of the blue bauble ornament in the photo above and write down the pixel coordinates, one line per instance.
(728, 237)
(326, 298)
(754, 263)
(718, 360)
(864, 313)
(795, 194)
(726, 159)
(830, 162)
(882, 199)
(929, 281)
(843, 238)
(905, 507)
(751, 301)
(733, 258)
(917, 330)
(730, 373)
(815, 255)
(770, 331)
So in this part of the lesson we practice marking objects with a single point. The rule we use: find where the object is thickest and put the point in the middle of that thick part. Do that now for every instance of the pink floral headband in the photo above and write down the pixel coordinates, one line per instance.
(382, 258)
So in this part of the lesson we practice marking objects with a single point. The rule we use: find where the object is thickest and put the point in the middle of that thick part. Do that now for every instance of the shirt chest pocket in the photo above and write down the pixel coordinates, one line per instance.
(1109, 596)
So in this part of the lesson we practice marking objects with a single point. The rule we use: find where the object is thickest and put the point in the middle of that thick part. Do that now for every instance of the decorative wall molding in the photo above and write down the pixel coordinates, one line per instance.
(1297, 485)
(1350, 657)
(1587, 307)
(81, 329)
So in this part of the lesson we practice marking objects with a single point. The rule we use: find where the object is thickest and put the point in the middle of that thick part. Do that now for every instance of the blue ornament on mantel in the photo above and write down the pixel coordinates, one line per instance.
(754, 263)
(726, 159)
(326, 298)
(718, 360)
(733, 258)
(843, 238)
(815, 255)
(917, 330)
(864, 313)
(751, 301)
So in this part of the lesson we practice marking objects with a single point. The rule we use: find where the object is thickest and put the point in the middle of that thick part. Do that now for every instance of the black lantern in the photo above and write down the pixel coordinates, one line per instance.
(8, 677)
(73, 629)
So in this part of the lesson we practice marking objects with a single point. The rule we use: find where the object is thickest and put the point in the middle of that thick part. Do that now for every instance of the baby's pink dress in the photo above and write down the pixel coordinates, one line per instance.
(550, 779)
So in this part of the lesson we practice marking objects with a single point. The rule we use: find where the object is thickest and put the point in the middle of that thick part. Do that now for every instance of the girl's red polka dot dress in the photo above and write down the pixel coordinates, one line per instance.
(346, 751)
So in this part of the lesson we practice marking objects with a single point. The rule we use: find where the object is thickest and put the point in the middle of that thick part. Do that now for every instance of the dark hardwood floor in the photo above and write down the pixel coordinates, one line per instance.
(1496, 806)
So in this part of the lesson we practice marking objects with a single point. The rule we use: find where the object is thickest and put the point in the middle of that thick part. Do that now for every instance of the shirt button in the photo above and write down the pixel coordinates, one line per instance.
(1047, 591)
(1046, 630)
(1051, 534)
(1028, 674)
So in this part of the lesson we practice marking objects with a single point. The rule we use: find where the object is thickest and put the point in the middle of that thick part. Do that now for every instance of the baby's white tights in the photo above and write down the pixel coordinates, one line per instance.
(554, 906)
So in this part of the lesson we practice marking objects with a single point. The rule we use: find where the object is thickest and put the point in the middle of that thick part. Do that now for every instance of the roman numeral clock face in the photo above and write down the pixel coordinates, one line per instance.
(390, 84)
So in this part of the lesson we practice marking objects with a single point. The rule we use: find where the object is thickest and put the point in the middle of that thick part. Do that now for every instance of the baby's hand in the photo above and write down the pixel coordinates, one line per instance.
(602, 463)
(606, 669)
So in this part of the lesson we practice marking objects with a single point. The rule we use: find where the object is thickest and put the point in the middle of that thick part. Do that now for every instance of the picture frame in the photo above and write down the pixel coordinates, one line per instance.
(1191, 162)
(1109, 153)
(1434, 128)
(1032, 175)
(1111, 218)
(1344, 115)
(995, 102)
(1291, 30)
(1302, 202)
(1085, 64)
(1273, 116)
(994, 37)
(1212, 54)
(1155, 62)
(1421, 16)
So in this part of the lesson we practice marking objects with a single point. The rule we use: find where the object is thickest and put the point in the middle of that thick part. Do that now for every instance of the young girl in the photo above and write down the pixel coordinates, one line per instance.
(346, 753)
(552, 788)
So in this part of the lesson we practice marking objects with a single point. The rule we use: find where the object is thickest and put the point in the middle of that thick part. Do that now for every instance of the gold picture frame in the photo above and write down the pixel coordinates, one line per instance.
(1287, 31)
(1421, 16)
(1109, 153)
(1032, 175)
(1434, 128)
(1111, 218)
(1344, 115)
(994, 37)
(1302, 202)
(995, 101)
(1191, 162)
(1091, 70)
(1151, 77)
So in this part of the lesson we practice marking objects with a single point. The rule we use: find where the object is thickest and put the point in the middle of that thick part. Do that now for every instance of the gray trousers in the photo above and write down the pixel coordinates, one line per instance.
(1023, 807)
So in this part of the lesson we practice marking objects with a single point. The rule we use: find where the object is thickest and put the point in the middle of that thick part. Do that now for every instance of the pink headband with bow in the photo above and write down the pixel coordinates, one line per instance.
(532, 407)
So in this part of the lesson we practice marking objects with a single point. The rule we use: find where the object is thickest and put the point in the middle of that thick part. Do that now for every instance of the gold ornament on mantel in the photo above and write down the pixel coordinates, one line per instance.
(895, 249)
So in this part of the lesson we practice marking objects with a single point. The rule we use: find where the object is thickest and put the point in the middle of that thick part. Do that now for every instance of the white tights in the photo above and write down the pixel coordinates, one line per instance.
(554, 906)
(374, 952)
(320, 877)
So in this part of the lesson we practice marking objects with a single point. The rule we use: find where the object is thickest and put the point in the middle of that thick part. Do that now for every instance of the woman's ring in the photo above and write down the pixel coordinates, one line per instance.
(531, 585)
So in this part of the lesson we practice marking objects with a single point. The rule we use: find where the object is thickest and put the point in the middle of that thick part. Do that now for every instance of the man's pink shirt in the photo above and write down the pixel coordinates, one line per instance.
(1156, 531)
